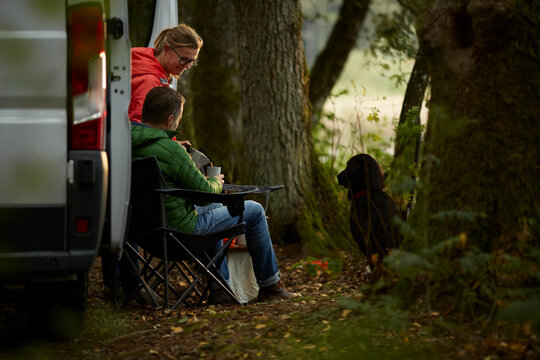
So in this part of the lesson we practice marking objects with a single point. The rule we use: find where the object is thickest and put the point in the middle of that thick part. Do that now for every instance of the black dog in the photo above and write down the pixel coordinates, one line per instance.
(372, 209)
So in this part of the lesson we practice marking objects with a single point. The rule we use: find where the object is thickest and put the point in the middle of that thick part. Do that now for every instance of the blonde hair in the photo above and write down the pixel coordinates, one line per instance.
(177, 37)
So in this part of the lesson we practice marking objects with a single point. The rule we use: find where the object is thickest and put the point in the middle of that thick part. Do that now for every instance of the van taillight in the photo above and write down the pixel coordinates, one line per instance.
(87, 73)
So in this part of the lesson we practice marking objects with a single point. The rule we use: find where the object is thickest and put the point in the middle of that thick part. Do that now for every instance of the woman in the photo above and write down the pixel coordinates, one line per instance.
(175, 50)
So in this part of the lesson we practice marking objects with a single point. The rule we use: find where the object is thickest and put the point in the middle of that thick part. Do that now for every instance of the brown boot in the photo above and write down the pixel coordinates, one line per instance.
(220, 297)
(273, 292)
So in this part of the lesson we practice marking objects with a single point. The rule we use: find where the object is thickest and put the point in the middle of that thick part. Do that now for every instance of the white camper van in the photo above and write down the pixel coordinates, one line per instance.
(65, 147)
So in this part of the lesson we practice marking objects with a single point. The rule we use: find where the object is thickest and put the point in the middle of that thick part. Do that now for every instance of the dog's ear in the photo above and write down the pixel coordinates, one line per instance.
(356, 173)
(342, 178)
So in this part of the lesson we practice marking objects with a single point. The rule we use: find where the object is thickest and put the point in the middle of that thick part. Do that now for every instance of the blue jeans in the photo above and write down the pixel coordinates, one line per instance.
(216, 217)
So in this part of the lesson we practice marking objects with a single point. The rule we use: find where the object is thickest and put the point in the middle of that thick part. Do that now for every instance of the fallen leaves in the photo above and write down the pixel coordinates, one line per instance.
(266, 330)
(177, 329)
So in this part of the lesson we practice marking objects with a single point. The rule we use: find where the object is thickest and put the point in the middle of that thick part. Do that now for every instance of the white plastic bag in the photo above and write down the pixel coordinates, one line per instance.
(243, 281)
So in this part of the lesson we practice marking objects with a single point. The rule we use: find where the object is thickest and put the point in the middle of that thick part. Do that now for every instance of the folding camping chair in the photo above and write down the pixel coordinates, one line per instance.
(172, 249)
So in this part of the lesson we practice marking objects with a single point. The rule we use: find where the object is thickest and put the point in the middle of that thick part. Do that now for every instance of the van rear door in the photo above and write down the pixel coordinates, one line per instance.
(164, 15)
(119, 140)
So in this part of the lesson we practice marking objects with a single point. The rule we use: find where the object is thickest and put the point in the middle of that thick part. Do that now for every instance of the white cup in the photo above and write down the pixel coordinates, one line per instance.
(213, 171)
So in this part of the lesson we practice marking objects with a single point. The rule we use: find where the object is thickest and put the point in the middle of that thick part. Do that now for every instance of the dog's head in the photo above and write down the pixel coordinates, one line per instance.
(362, 173)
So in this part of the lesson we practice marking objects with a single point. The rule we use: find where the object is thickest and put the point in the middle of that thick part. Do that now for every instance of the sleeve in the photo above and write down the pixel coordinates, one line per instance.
(184, 173)
(140, 86)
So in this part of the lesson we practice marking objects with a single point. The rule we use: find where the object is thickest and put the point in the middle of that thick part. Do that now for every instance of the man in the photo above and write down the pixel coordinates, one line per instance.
(161, 114)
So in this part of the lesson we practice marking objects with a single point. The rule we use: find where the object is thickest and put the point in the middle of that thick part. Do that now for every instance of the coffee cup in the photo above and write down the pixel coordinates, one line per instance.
(213, 171)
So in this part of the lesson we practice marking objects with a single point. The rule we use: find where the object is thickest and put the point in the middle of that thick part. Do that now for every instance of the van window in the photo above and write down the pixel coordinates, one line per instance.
(141, 16)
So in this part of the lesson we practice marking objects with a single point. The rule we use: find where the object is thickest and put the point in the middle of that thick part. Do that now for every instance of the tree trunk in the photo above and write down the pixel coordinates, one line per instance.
(213, 106)
(408, 134)
(277, 126)
(481, 150)
(331, 61)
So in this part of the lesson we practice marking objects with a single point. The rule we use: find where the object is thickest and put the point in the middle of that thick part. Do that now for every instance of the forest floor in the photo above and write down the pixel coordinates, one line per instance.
(331, 319)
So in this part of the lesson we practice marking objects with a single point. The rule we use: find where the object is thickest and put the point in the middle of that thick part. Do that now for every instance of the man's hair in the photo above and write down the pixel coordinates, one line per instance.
(178, 37)
(160, 102)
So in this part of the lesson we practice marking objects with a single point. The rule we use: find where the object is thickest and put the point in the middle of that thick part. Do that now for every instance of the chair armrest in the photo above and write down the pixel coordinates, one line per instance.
(233, 201)
(257, 189)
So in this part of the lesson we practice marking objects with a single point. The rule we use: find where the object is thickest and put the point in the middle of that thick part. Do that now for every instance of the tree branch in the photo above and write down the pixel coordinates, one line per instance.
(331, 61)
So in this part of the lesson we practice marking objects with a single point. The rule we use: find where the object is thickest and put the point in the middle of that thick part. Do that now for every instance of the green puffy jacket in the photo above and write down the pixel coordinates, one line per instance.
(178, 170)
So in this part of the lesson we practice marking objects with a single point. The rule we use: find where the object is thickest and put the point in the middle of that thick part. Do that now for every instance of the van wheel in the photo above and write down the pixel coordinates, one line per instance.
(57, 309)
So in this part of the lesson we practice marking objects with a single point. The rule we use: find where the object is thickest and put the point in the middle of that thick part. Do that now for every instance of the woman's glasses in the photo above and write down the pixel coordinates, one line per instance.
(183, 60)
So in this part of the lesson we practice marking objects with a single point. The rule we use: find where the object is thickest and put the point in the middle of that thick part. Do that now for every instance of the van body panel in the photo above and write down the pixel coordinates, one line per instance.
(34, 47)
(120, 132)
(44, 234)
(33, 148)
(30, 67)
(42, 265)
(87, 195)
(33, 115)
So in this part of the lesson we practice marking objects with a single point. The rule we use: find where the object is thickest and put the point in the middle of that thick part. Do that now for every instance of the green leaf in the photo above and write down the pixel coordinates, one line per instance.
(405, 261)
(522, 311)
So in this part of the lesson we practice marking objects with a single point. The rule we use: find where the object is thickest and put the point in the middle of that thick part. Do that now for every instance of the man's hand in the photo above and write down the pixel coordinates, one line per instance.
(220, 177)
(184, 142)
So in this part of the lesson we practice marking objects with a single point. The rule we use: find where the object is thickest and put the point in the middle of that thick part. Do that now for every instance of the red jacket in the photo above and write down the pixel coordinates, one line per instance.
(146, 74)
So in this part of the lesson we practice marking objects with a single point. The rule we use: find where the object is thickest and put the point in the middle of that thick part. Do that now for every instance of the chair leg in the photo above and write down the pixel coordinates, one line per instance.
(188, 274)
(154, 272)
(222, 282)
(206, 270)
(151, 275)
(165, 269)
(142, 284)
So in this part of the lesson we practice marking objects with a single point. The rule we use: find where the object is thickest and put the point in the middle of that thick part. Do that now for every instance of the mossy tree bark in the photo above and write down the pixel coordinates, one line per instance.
(277, 121)
(481, 150)
(213, 113)
(405, 165)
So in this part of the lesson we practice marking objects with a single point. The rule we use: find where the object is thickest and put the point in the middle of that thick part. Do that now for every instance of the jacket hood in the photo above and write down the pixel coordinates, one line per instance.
(142, 135)
(143, 61)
